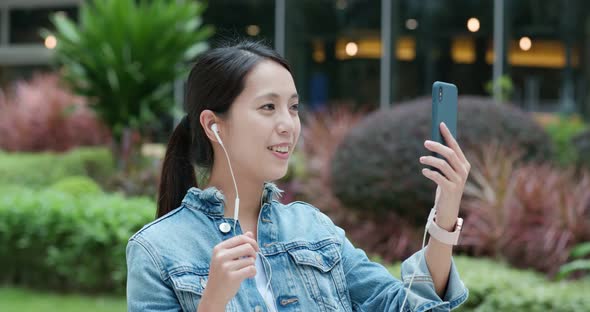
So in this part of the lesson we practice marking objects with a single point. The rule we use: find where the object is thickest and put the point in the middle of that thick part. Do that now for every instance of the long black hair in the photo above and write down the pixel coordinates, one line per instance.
(215, 81)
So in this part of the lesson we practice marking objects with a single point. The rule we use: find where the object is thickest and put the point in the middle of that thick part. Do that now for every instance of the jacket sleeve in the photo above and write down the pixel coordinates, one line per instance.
(373, 288)
(146, 291)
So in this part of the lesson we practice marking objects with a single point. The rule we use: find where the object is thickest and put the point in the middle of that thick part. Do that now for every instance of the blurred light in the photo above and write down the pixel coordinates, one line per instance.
(50, 42)
(253, 30)
(405, 48)
(473, 24)
(546, 54)
(319, 51)
(351, 49)
(463, 50)
(341, 4)
(370, 48)
(525, 43)
(411, 24)
(319, 56)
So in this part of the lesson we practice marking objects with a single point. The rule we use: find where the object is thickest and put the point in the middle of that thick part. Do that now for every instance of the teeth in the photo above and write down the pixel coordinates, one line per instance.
(280, 149)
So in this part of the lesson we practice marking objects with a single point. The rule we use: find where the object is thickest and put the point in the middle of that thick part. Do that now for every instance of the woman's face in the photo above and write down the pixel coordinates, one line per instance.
(263, 123)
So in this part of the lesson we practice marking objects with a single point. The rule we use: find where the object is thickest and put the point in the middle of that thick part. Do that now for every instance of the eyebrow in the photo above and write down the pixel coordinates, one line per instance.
(275, 95)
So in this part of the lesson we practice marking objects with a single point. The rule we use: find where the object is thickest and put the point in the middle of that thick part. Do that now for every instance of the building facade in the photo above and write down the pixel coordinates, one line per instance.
(365, 52)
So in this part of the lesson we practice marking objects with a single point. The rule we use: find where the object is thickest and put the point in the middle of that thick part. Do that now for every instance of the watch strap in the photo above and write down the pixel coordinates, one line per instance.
(440, 234)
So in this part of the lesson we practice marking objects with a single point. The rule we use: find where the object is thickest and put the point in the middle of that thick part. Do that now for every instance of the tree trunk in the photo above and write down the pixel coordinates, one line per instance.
(127, 150)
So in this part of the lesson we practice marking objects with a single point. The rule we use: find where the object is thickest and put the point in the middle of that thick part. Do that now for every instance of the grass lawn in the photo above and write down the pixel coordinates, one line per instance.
(17, 299)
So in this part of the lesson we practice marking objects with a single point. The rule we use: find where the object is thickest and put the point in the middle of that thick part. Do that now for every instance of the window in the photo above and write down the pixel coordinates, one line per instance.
(25, 24)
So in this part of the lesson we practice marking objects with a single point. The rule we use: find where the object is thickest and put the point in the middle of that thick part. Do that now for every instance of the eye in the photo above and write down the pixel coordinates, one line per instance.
(269, 106)
(295, 107)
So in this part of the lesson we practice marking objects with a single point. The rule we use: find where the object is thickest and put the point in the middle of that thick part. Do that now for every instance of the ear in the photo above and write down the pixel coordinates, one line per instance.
(208, 118)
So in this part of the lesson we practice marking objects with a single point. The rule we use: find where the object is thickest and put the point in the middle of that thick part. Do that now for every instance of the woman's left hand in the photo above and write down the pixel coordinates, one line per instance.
(455, 168)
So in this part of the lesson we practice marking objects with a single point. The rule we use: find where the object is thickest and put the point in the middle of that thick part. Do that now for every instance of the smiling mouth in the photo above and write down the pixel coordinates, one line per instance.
(279, 149)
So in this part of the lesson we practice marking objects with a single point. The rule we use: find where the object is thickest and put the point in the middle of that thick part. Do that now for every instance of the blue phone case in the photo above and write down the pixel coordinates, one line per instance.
(444, 109)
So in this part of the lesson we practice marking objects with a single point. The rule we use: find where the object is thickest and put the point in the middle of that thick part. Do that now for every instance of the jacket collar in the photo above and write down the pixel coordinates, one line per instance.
(210, 200)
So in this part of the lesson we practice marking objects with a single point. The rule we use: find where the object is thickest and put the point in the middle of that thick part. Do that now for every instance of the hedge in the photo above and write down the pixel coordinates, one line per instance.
(494, 286)
(36, 170)
(58, 240)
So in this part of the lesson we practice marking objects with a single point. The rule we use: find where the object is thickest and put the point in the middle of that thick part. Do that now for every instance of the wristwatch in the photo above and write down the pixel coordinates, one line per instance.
(442, 235)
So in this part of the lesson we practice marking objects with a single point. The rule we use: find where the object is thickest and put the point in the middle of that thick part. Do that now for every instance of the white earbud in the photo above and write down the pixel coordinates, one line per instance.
(216, 133)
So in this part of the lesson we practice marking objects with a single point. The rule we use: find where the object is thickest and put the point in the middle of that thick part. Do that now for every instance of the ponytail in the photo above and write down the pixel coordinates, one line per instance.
(178, 174)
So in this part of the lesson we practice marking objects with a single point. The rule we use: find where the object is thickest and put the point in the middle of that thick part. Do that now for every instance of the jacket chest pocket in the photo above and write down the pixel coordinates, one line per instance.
(320, 270)
(189, 287)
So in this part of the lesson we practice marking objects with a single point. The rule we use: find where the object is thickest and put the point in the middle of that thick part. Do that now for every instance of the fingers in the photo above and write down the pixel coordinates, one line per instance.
(243, 273)
(452, 142)
(435, 176)
(241, 263)
(443, 166)
(248, 238)
(454, 166)
(245, 250)
(447, 153)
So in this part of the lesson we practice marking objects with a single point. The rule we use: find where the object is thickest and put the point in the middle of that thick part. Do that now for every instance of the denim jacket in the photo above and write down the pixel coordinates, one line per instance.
(311, 263)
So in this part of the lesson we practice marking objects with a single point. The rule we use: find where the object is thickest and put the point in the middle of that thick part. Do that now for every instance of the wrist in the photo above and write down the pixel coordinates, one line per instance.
(446, 222)
(449, 234)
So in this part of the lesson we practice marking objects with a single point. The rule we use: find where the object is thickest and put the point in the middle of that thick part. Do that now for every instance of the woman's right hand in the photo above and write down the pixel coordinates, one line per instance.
(233, 261)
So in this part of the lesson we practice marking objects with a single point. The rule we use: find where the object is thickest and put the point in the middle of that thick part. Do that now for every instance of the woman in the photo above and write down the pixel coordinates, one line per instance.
(203, 254)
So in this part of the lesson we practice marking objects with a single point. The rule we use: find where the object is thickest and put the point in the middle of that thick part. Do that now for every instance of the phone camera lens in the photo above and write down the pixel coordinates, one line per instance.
(440, 93)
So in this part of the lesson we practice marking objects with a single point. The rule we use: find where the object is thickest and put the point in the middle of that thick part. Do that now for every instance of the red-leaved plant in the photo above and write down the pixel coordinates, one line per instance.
(43, 115)
(488, 227)
(322, 132)
(528, 214)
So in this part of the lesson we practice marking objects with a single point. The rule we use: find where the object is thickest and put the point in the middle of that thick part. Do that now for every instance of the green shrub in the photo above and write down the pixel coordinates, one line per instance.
(377, 169)
(496, 287)
(77, 186)
(55, 240)
(579, 264)
(43, 169)
(562, 131)
(126, 55)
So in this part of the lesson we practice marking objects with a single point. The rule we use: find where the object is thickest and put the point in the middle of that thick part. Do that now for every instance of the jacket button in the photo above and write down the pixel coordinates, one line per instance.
(225, 227)
(257, 309)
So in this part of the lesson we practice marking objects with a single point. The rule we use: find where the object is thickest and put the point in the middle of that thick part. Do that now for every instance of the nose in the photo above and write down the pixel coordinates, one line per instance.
(286, 123)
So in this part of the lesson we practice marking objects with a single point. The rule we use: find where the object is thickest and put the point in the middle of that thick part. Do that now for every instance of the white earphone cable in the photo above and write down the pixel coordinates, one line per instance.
(237, 201)
(413, 275)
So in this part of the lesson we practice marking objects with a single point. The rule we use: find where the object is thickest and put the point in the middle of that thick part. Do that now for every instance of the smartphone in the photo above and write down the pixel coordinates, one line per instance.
(444, 109)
